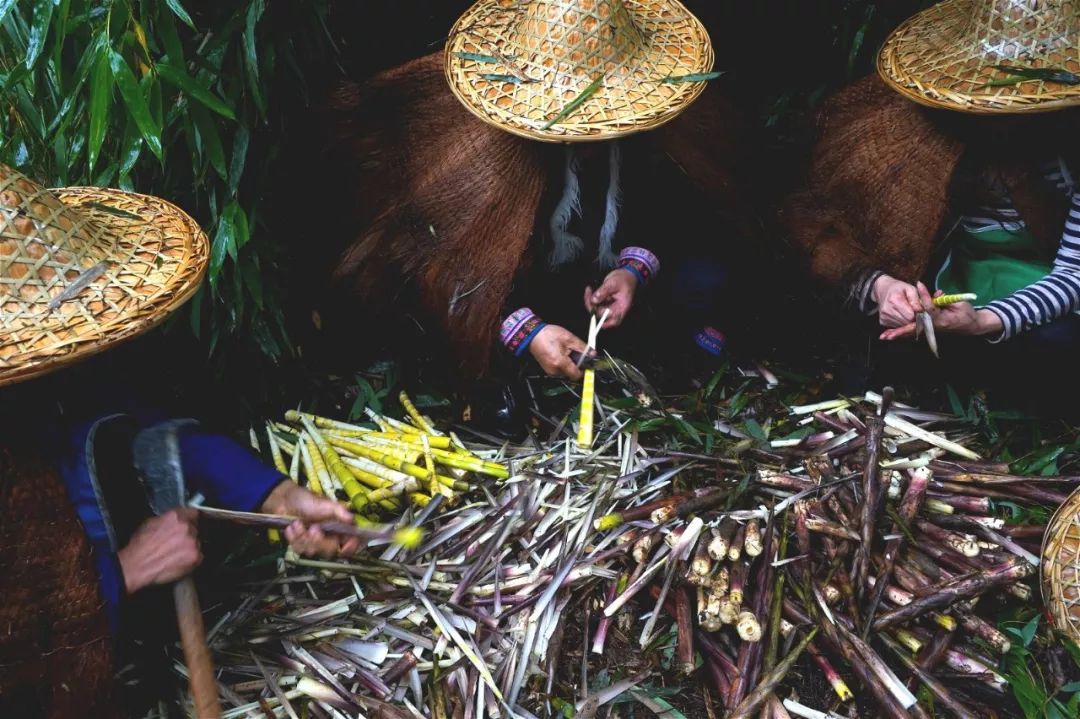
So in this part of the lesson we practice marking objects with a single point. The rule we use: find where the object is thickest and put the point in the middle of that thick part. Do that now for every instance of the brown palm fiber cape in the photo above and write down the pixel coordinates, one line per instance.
(877, 194)
(447, 204)
(56, 657)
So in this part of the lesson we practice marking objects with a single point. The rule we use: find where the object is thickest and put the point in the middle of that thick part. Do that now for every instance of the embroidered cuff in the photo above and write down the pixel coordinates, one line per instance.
(862, 291)
(711, 340)
(639, 262)
(519, 329)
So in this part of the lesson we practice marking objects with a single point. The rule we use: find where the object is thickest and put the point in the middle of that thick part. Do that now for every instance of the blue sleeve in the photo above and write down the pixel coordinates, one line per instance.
(225, 472)
(85, 498)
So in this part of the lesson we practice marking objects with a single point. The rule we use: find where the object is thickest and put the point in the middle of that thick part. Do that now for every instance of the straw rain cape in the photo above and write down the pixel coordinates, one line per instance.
(877, 195)
(448, 203)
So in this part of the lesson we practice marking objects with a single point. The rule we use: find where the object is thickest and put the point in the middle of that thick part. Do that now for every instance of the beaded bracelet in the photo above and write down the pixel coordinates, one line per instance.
(711, 340)
(519, 329)
(639, 262)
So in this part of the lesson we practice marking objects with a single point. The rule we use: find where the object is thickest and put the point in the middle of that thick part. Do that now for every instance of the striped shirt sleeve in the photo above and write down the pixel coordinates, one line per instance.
(1052, 297)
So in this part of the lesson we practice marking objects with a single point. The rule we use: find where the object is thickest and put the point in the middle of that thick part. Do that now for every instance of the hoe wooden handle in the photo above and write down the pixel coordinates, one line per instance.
(200, 668)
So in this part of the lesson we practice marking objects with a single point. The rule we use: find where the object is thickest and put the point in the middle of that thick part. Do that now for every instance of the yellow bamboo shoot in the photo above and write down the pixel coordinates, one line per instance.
(585, 420)
(385, 458)
(588, 388)
(451, 459)
(322, 422)
(279, 464)
(318, 466)
(382, 475)
(358, 496)
(419, 420)
(314, 484)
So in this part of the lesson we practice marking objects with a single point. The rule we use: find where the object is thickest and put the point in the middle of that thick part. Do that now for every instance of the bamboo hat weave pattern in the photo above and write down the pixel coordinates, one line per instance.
(1060, 567)
(84, 268)
(577, 70)
(945, 56)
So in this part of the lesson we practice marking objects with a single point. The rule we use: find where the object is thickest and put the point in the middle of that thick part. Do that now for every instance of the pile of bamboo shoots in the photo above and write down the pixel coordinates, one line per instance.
(464, 622)
(377, 469)
(869, 551)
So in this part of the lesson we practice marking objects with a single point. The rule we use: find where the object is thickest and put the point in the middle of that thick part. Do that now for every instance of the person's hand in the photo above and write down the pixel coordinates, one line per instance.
(162, 550)
(961, 318)
(552, 347)
(292, 500)
(616, 295)
(897, 301)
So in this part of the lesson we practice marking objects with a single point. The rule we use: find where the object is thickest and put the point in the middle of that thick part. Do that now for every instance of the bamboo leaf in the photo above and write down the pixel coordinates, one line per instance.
(224, 244)
(178, 77)
(170, 38)
(140, 39)
(110, 210)
(181, 13)
(211, 140)
(234, 215)
(239, 157)
(1046, 74)
(101, 87)
(39, 30)
(574, 104)
(513, 79)
(694, 77)
(73, 93)
(130, 148)
(5, 8)
(251, 59)
(242, 228)
(249, 267)
(477, 57)
(656, 703)
(136, 102)
(1029, 630)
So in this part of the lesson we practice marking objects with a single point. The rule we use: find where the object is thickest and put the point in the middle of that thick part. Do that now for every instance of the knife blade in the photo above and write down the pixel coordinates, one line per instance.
(925, 323)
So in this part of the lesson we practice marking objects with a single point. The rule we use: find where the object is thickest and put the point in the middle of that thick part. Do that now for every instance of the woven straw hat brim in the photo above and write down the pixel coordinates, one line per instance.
(1060, 567)
(157, 260)
(933, 59)
(631, 98)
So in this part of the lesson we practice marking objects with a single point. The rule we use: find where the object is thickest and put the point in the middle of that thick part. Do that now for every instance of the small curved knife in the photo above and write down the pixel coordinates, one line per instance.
(924, 324)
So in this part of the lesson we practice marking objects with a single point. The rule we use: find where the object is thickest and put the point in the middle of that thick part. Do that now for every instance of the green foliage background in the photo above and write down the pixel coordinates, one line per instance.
(148, 96)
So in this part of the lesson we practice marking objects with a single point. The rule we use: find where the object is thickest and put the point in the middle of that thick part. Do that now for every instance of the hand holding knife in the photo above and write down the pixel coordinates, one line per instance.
(924, 320)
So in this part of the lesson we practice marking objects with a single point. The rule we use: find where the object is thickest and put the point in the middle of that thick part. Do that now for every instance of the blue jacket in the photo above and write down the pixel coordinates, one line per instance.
(227, 474)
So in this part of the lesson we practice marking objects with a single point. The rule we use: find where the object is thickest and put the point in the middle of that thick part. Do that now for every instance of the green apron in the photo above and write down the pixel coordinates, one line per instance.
(993, 263)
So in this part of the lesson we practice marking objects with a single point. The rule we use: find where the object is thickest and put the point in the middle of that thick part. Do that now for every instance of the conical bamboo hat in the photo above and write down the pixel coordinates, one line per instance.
(946, 55)
(1060, 567)
(84, 268)
(574, 70)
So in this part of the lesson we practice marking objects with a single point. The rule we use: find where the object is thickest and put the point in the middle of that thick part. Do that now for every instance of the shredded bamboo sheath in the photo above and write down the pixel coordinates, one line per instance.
(585, 421)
